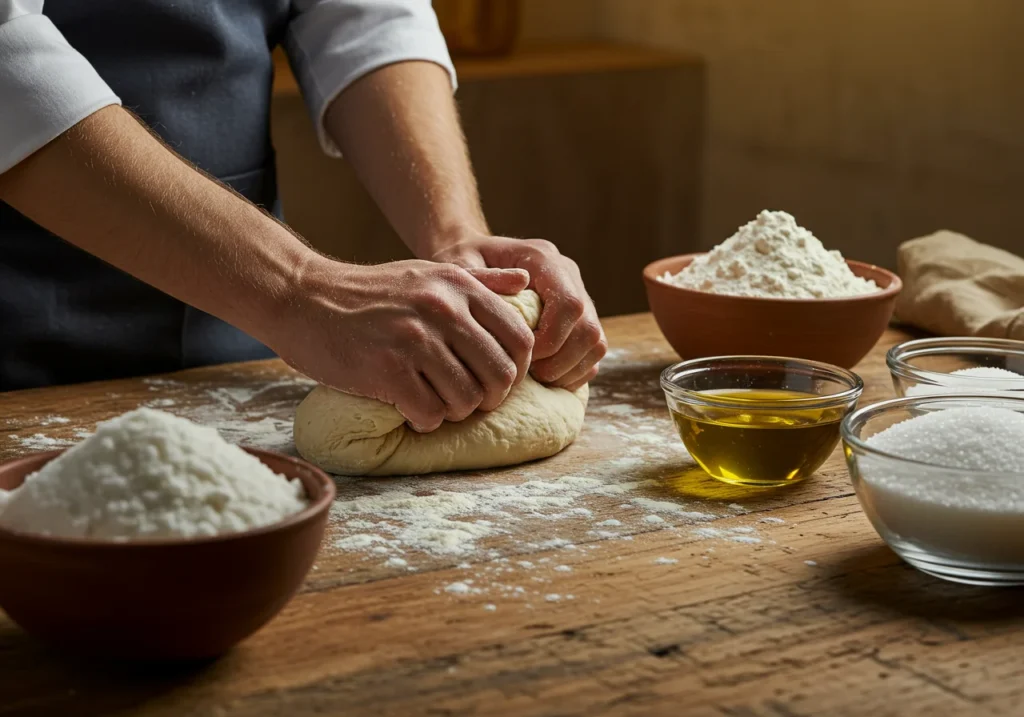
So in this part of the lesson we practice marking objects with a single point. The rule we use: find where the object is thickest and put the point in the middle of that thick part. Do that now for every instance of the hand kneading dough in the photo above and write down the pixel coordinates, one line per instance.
(354, 436)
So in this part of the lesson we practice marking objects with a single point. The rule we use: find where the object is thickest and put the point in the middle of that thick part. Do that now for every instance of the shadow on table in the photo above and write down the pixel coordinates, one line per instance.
(40, 681)
(875, 575)
(690, 481)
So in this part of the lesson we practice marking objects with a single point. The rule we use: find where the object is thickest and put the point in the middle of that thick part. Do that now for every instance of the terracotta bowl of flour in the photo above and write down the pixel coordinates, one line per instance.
(160, 599)
(835, 331)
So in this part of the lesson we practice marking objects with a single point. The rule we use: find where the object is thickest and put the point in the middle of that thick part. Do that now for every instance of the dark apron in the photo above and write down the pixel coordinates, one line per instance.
(199, 73)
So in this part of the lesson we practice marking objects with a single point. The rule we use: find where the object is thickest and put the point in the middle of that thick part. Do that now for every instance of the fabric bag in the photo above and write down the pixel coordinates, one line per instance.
(955, 286)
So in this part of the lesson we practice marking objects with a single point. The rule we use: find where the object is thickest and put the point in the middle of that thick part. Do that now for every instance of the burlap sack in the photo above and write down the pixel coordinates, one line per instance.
(955, 286)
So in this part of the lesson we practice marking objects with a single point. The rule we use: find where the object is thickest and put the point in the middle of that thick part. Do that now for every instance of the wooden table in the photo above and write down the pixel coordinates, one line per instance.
(787, 603)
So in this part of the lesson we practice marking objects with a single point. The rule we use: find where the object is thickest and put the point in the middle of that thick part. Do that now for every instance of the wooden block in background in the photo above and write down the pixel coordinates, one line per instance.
(595, 147)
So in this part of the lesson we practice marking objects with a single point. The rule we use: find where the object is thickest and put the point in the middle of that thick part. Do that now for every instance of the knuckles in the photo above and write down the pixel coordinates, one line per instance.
(424, 418)
(469, 400)
(437, 304)
(572, 307)
(410, 331)
(522, 341)
(505, 373)
(593, 336)
(542, 245)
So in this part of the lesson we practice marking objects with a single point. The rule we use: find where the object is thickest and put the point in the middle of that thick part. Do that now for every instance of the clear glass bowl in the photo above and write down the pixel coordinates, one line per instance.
(759, 420)
(925, 366)
(960, 525)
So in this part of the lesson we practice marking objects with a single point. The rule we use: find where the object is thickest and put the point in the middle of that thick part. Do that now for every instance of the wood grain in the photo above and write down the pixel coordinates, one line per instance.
(819, 618)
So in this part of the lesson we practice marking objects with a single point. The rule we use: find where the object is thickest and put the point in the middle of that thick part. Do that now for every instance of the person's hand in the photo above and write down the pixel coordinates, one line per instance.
(569, 339)
(434, 340)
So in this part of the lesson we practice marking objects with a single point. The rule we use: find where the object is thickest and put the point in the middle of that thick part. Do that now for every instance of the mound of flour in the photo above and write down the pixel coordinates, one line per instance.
(148, 474)
(772, 257)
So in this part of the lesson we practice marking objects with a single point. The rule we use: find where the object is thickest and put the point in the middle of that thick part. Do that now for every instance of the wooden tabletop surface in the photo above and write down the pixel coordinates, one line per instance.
(617, 598)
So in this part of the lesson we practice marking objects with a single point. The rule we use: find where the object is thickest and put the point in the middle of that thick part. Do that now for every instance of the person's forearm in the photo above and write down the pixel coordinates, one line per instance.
(399, 129)
(111, 188)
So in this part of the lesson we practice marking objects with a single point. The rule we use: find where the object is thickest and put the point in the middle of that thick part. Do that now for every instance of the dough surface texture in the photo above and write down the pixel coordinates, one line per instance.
(356, 436)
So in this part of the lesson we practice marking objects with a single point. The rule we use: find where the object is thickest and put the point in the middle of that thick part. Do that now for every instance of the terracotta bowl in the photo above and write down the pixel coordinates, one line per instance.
(160, 599)
(835, 331)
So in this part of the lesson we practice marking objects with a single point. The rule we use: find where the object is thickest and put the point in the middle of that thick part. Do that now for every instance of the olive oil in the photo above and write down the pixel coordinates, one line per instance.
(743, 441)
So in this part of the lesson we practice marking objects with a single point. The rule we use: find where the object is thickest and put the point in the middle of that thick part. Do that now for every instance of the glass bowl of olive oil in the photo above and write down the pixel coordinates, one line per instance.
(760, 421)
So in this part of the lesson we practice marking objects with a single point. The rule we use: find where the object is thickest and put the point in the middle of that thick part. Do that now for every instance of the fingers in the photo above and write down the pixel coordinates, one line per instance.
(565, 302)
(587, 366)
(492, 368)
(587, 378)
(453, 383)
(579, 353)
(563, 308)
(506, 326)
(507, 282)
(419, 403)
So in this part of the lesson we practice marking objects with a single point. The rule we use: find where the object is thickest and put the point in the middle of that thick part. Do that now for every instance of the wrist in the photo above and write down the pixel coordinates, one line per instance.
(285, 292)
(444, 239)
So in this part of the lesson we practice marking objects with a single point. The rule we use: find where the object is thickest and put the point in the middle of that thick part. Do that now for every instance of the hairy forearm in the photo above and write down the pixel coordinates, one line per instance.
(399, 129)
(111, 188)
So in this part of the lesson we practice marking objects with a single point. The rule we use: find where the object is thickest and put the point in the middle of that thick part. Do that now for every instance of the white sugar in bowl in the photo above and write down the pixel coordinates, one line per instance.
(941, 478)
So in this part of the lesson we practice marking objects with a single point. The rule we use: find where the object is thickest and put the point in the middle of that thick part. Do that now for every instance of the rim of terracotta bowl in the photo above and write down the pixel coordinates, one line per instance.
(310, 512)
(651, 274)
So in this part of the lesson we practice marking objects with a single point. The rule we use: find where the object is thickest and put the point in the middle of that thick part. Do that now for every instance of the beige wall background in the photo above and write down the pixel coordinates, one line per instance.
(873, 121)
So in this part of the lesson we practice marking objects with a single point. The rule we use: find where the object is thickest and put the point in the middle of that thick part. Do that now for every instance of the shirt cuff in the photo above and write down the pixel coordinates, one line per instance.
(46, 87)
(334, 43)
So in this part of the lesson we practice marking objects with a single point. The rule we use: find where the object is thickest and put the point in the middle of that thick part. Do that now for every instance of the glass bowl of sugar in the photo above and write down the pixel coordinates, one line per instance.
(941, 478)
(957, 365)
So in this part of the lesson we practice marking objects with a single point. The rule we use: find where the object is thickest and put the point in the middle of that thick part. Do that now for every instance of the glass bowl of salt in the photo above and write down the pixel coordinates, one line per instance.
(941, 478)
(957, 365)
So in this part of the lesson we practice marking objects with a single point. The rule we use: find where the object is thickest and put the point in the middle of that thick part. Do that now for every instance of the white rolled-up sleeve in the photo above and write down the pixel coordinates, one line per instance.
(46, 87)
(332, 43)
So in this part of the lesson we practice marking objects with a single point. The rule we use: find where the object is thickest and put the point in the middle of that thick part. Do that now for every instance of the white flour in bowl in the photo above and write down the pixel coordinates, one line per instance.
(148, 474)
(772, 257)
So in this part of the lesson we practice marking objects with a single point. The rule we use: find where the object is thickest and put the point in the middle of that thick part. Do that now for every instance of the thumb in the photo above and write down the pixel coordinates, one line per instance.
(506, 282)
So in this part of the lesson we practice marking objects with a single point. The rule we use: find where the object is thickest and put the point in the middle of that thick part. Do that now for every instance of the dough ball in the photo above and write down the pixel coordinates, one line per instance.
(355, 436)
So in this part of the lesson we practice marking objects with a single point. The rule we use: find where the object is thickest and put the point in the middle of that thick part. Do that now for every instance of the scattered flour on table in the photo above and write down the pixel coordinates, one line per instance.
(242, 419)
(161, 403)
(149, 474)
(431, 520)
(233, 411)
(741, 534)
(404, 524)
(40, 442)
(665, 561)
(458, 589)
(772, 257)
(54, 421)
